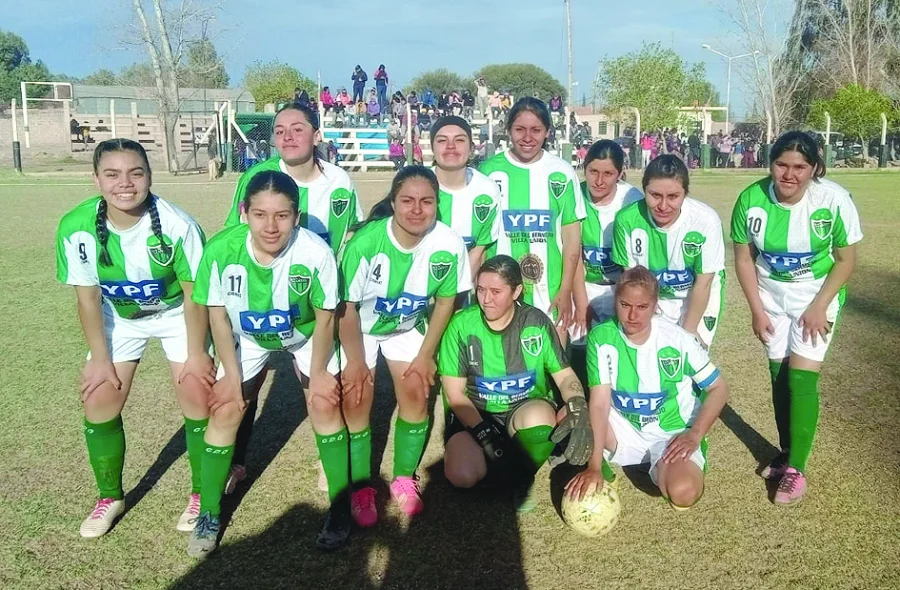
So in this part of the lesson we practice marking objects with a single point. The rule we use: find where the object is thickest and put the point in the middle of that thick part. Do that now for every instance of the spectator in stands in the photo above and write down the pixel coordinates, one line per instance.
(360, 112)
(301, 97)
(647, 145)
(494, 105)
(398, 105)
(413, 100)
(443, 105)
(212, 149)
(468, 105)
(725, 148)
(394, 130)
(417, 149)
(343, 98)
(425, 119)
(505, 101)
(693, 148)
(359, 78)
(750, 150)
(428, 99)
(373, 108)
(737, 153)
(381, 84)
(556, 104)
(326, 99)
(481, 93)
(455, 103)
(396, 153)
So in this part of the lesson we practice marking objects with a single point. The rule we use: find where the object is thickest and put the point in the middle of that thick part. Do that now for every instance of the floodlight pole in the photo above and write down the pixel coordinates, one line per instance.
(729, 59)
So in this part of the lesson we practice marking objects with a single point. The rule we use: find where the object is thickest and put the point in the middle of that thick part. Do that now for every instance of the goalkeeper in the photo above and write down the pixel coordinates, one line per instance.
(494, 363)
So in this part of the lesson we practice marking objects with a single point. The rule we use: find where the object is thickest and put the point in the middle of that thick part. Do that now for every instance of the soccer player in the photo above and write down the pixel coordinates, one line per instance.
(392, 267)
(605, 193)
(328, 206)
(494, 362)
(540, 209)
(795, 237)
(271, 285)
(680, 240)
(642, 371)
(469, 199)
(132, 258)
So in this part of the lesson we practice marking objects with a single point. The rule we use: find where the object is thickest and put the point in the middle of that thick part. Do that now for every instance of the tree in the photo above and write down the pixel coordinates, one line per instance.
(440, 80)
(101, 77)
(855, 111)
(204, 67)
(656, 81)
(274, 82)
(16, 67)
(521, 80)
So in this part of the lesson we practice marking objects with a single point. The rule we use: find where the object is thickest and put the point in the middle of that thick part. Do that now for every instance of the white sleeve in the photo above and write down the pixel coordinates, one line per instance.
(328, 279)
(192, 246)
(463, 270)
(214, 295)
(80, 250)
(704, 372)
(714, 248)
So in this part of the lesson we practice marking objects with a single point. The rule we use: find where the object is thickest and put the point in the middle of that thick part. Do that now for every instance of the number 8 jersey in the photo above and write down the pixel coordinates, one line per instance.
(271, 305)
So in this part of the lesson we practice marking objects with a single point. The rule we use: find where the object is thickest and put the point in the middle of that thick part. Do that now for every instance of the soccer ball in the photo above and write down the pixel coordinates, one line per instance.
(594, 516)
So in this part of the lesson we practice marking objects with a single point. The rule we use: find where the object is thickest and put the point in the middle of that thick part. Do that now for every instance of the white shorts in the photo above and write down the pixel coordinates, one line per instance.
(601, 298)
(634, 447)
(252, 358)
(126, 340)
(784, 304)
(674, 310)
(401, 347)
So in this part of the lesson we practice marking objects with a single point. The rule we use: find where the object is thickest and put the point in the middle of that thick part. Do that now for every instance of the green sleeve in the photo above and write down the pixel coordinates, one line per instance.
(452, 355)
(487, 234)
(620, 253)
(449, 285)
(739, 222)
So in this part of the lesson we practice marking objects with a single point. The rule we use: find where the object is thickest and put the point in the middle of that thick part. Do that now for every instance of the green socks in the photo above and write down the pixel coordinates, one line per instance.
(216, 463)
(781, 401)
(606, 469)
(535, 441)
(360, 455)
(193, 436)
(409, 443)
(333, 451)
(804, 415)
(106, 451)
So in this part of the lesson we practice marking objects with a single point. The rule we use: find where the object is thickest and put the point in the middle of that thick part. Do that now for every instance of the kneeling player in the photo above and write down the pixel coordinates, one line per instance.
(494, 363)
(643, 406)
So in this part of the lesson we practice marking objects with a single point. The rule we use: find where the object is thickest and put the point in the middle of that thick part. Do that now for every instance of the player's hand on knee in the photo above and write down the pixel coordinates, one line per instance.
(585, 483)
(226, 390)
(815, 324)
(324, 386)
(681, 447)
(577, 426)
(202, 367)
(425, 368)
(762, 327)
(95, 374)
(354, 378)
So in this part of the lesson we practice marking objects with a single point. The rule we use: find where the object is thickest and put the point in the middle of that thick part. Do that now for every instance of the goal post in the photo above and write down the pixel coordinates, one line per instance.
(62, 93)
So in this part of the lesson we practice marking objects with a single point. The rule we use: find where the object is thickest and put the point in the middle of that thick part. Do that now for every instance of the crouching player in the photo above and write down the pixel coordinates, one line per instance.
(643, 406)
(494, 362)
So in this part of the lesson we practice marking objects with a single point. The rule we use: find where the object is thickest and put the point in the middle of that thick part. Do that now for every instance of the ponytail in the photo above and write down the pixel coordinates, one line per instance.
(103, 233)
(156, 226)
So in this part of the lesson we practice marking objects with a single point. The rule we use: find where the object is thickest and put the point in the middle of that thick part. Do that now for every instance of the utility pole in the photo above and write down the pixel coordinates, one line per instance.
(571, 86)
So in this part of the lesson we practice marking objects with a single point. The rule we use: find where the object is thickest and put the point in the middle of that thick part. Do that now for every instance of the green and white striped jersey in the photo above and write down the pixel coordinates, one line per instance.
(273, 305)
(472, 211)
(536, 200)
(694, 244)
(144, 279)
(502, 368)
(328, 205)
(651, 383)
(597, 233)
(795, 243)
(392, 285)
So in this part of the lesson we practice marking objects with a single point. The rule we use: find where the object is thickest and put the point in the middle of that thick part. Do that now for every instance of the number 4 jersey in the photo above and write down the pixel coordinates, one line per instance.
(144, 277)
(273, 305)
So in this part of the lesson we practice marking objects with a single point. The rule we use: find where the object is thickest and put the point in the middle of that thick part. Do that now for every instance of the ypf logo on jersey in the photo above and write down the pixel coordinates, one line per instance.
(558, 183)
(821, 222)
(481, 207)
(692, 244)
(161, 253)
(340, 202)
(674, 281)
(532, 339)
(439, 265)
(299, 279)
(670, 363)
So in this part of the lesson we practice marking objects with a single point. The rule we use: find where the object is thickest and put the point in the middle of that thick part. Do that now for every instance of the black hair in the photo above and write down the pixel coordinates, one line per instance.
(312, 117)
(532, 105)
(275, 181)
(506, 267)
(606, 149)
(802, 143)
(124, 145)
(385, 207)
(667, 166)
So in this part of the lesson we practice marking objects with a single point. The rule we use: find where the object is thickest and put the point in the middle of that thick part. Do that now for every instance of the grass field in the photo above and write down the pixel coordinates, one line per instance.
(846, 534)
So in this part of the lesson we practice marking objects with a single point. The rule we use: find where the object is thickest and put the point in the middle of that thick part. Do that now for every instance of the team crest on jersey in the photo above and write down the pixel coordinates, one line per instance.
(710, 322)
(299, 279)
(558, 182)
(161, 255)
(692, 244)
(439, 265)
(669, 362)
(340, 201)
(532, 341)
(481, 208)
(822, 223)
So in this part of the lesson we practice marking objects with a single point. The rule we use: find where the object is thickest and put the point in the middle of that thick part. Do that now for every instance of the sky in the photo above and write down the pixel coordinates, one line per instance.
(408, 36)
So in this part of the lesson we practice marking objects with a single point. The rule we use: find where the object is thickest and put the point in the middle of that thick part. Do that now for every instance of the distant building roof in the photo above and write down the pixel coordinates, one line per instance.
(149, 93)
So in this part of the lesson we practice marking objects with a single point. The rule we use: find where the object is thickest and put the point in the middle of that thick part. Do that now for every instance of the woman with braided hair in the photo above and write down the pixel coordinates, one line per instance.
(132, 258)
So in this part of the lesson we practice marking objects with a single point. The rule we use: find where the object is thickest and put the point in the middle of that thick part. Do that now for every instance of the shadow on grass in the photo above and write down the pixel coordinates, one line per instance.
(759, 446)
(167, 457)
